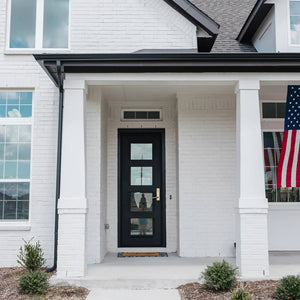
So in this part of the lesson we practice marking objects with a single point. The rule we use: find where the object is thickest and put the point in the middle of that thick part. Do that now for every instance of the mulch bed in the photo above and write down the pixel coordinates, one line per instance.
(258, 290)
(9, 281)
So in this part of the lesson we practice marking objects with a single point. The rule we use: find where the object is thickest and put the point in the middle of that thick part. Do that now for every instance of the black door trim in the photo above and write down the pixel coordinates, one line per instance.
(163, 187)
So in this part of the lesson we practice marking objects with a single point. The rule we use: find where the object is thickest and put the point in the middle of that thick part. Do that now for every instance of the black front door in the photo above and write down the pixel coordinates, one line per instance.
(141, 188)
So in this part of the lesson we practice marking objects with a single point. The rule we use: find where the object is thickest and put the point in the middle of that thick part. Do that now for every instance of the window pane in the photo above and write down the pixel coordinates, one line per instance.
(2, 98)
(56, 23)
(10, 210)
(24, 151)
(141, 226)
(26, 98)
(141, 175)
(141, 151)
(269, 110)
(24, 169)
(22, 210)
(22, 27)
(281, 110)
(25, 111)
(141, 201)
(25, 133)
(23, 191)
(11, 151)
(295, 29)
(10, 170)
(295, 8)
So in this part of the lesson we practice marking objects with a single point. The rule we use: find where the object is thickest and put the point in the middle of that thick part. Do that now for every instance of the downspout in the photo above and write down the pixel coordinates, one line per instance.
(58, 162)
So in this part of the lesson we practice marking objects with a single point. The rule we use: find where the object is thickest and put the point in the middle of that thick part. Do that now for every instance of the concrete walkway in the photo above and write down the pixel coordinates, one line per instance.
(103, 294)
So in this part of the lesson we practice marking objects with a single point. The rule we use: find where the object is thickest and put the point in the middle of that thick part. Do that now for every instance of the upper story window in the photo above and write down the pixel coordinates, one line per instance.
(295, 22)
(39, 24)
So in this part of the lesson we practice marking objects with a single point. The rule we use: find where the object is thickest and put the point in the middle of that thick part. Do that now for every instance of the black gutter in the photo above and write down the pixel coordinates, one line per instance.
(168, 62)
(254, 20)
(58, 162)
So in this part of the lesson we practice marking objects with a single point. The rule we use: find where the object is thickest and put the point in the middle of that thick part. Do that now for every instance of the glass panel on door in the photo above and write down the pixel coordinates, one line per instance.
(141, 201)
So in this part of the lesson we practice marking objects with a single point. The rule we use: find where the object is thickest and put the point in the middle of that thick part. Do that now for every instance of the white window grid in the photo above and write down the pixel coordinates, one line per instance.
(20, 122)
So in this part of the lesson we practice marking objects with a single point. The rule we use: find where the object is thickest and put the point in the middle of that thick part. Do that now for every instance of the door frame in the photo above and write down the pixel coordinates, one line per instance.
(163, 187)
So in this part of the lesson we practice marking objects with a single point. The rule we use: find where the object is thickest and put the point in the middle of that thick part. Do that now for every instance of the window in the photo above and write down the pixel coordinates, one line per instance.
(39, 24)
(272, 149)
(295, 22)
(15, 154)
(273, 110)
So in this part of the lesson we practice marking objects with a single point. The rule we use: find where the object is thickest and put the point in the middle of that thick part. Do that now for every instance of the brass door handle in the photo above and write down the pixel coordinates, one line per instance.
(157, 194)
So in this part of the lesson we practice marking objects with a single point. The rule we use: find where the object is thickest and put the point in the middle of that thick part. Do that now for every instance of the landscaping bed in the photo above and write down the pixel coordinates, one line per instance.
(258, 290)
(9, 282)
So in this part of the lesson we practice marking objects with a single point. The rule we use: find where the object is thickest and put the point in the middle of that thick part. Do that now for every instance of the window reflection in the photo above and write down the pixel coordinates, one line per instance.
(141, 175)
(141, 226)
(272, 149)
(141, 151)
(22, 24)
(141, 201)
(56, 23)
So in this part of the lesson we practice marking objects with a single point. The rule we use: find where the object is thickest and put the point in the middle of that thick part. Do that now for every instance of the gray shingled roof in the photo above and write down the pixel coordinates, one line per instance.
(231, 15)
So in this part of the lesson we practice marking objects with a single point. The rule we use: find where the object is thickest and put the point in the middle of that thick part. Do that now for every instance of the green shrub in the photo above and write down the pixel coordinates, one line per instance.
(221, 276)
(31, 257)
(35, 282)
(240, 294)
(288, 288)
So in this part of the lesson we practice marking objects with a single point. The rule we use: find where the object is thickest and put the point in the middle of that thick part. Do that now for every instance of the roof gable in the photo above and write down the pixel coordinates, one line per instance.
(201, 20)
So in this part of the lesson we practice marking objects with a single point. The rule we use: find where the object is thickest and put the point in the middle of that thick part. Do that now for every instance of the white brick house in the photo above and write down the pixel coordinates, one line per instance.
(146, 123)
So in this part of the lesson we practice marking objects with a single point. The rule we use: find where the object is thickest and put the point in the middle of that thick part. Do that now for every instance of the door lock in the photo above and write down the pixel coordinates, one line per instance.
(157, 194)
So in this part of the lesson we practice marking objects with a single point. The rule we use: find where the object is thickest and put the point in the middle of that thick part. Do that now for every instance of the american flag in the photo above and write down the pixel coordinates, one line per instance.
(288, 174)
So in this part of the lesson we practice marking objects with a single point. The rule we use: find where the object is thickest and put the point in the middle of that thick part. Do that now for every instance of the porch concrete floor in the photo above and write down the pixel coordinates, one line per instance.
(166, 272)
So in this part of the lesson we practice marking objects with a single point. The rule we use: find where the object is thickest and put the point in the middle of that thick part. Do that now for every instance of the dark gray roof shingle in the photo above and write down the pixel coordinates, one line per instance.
(231, 15)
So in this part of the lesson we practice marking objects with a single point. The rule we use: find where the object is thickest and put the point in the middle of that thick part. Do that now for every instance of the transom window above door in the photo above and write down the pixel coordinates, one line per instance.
(39, 24)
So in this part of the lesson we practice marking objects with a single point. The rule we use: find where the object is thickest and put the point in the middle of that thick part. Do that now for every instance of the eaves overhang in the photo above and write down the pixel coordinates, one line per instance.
(254, 20)
(165, 62)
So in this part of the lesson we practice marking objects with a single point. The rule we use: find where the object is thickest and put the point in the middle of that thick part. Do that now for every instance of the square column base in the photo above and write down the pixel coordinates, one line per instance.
(252, 251)
(71, 257)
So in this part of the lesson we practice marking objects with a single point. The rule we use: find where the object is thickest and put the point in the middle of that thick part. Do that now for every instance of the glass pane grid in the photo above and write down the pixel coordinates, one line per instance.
(14, 201)
(271, 158)
(15, 104)
(15, 152)
(140, 176)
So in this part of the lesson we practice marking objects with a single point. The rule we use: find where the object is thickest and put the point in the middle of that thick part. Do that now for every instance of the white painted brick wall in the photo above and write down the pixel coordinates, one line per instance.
(207, 186)
(128, 26)
(96, 26)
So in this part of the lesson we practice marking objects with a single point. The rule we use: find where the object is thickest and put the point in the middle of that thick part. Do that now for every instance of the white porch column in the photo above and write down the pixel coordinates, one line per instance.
(72, 205)
(252, 246)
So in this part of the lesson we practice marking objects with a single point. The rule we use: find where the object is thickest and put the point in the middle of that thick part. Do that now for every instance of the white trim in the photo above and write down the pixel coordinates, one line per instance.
(39, 28)
(283, 206)
(15, 226)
